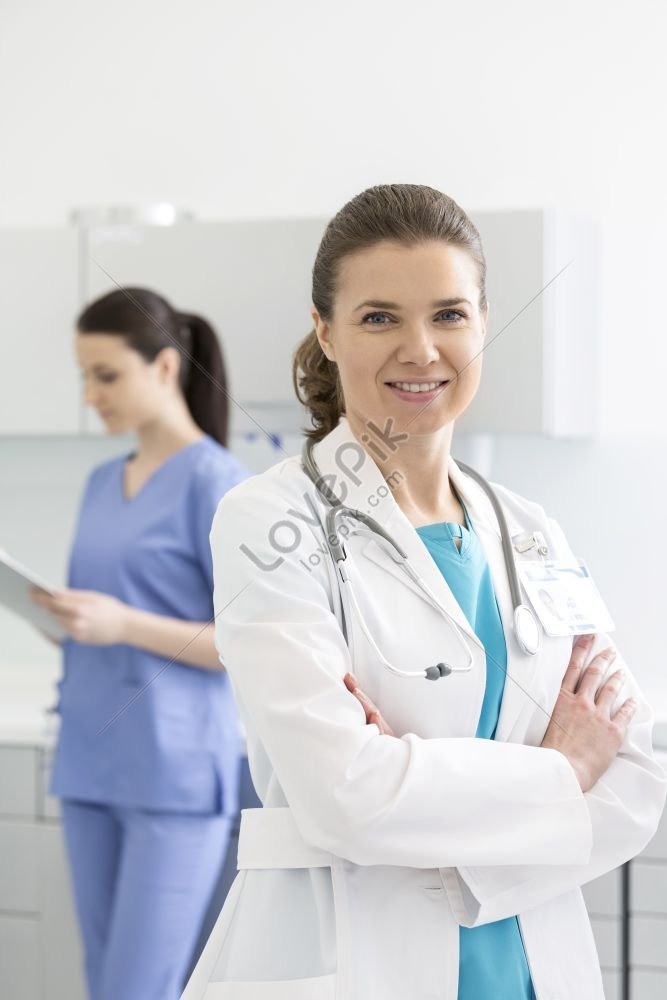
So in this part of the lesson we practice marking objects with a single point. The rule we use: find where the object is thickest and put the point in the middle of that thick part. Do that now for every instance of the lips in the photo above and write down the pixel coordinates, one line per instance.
(417, 385)
(430, 391)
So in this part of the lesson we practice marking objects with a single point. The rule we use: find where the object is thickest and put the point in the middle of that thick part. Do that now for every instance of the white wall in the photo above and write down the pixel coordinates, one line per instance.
(258, 109)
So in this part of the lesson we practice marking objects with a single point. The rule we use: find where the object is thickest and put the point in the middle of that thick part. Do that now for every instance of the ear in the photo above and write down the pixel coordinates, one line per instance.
(485, 317)
(168, 364)
(323, 334)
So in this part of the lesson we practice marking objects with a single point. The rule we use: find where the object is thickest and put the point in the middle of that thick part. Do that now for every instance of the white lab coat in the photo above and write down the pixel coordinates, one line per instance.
(371, 850)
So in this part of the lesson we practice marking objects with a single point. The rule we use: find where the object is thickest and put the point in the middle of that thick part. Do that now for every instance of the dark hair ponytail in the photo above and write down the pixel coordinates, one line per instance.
(204, 378)
(149, 323)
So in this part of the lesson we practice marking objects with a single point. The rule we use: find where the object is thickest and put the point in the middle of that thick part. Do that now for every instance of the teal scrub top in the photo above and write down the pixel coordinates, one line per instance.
(492, 958)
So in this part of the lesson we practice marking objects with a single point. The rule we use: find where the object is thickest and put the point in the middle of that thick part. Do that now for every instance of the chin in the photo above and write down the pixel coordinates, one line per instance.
(114, 426)
(428, 421)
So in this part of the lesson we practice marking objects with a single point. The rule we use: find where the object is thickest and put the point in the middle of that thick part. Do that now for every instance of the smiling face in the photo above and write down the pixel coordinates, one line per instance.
(406, 334)
(127, 391)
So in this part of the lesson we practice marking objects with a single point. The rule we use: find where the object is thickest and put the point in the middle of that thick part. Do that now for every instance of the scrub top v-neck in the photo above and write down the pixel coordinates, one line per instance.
(138, 730)
(492, 960)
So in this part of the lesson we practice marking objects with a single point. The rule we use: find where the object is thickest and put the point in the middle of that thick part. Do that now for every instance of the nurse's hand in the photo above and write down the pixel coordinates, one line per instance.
(582, 726)
(86, 615)
(373, 715)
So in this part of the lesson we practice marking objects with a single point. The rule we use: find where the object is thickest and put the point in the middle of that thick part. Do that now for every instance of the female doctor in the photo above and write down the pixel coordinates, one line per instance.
(147, 759)
(435, 850)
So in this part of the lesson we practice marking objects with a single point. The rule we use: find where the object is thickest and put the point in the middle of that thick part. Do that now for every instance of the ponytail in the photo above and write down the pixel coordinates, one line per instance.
(203, 377)
(317, 386)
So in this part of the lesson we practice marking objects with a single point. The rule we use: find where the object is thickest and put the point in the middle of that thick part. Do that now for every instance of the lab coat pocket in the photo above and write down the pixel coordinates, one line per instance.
(284, 933)
(276, 940)
(317, 988)
(393, 921)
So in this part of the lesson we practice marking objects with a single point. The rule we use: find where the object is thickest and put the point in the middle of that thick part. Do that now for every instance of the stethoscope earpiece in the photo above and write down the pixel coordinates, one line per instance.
(438, 671)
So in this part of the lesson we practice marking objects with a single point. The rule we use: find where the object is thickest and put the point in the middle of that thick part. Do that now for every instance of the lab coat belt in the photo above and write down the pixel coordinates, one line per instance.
(269, 838)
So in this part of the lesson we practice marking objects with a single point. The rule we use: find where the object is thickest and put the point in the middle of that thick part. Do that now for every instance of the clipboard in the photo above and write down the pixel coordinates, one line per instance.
(15, 582)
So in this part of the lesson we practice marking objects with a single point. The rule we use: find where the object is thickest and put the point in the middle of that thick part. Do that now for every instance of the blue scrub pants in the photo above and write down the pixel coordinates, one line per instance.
(142, 883)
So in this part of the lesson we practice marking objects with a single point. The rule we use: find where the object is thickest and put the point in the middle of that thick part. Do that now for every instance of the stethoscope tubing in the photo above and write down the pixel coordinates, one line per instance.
(524, 620)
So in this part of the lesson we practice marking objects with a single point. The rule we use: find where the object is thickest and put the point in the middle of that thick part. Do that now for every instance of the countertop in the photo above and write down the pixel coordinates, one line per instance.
(28, 694)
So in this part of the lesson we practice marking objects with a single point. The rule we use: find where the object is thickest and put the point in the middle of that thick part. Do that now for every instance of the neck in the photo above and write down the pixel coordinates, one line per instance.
(158, 439)
(422, 488)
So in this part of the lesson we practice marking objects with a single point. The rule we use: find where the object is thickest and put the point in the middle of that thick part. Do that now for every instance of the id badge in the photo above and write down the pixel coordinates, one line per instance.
(564, 596)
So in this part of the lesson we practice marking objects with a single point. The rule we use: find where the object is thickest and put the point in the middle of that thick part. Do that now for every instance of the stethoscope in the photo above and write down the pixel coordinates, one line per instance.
(526, 628)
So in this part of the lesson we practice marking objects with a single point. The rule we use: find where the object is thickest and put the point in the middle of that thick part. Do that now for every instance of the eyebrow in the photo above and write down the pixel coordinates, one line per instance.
(440, 304)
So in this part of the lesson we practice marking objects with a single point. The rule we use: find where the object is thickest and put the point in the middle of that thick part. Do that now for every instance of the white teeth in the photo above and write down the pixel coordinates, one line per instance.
(416, 386)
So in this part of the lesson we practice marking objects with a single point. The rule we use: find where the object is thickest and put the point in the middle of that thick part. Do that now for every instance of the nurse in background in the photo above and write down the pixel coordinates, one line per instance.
(148, 755)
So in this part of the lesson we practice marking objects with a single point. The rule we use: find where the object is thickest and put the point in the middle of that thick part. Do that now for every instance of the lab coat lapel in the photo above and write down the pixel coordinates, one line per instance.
(522, 678)
(358, 482)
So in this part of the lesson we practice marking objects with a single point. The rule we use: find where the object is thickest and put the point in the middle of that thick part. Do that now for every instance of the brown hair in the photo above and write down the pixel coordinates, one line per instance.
(404, 213)
(148, 322)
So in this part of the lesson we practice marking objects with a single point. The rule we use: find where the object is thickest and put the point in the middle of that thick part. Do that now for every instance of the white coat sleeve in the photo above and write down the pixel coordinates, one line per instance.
(624, 806)
(370, 798)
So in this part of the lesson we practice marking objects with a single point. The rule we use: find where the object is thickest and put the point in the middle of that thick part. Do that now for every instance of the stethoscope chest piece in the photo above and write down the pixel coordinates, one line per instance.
(526, 630)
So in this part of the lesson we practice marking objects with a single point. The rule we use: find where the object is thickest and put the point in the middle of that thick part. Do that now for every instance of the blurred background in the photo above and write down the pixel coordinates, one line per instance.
(201, 149)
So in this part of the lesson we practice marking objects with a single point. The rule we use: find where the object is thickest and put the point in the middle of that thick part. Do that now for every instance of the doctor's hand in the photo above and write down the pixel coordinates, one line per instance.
(86, 615)
(582, 726)
(373, 715)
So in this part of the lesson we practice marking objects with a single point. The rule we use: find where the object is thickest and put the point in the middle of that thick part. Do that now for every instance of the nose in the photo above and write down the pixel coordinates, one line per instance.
(90, 393)
(417, 346)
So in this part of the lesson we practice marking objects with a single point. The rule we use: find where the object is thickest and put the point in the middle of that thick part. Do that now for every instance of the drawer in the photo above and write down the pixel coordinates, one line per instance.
(648, 984)
(648, 887)
(19, 867)
(603, 895)
(612, 985)
(47, 805)
(19, 958)
(18, 781)
(607, 934)
(648, 941)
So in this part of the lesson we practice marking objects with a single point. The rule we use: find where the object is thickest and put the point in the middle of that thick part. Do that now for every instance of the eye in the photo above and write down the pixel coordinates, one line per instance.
(99, 376)
(369, 316)
(451, 312)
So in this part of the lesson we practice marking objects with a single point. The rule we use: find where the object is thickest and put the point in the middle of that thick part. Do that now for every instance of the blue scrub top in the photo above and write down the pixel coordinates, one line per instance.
(492, 958)
(134, 732)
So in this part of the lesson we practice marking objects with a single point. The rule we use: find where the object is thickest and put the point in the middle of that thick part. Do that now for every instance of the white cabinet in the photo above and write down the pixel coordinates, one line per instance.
(39, 383)
(648, 919)
(252, 280)
(643, 914)
(40, 956)
(604, 905)
(19, 944)
(541, 359)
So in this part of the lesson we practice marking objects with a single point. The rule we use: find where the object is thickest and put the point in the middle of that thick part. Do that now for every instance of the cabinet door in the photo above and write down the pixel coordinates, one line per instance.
(540, 368)
(19, 967)
(19, 873)
(61, 967)
(39, 384)
(510, 397)
(18, 781)
(251, 280)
